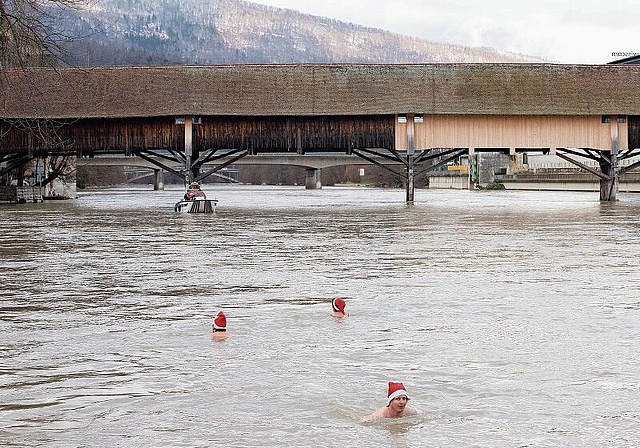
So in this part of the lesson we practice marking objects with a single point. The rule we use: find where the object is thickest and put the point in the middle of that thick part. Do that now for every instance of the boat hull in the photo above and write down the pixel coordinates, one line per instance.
(196, 206)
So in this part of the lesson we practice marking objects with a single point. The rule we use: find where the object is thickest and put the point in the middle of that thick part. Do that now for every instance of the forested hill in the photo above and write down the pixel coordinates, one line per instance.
(118, 32)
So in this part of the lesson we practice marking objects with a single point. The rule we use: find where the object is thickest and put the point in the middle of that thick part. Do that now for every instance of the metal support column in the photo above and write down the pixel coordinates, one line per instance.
(188, 148)
(410, 158)
(609, 186)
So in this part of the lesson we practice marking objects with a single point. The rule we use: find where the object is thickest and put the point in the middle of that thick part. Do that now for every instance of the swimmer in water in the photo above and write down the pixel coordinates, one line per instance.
(396, 407)
(338, 305)
(219, 327)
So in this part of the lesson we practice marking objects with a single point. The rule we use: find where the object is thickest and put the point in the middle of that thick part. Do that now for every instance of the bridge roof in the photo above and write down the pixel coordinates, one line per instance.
(321, 89)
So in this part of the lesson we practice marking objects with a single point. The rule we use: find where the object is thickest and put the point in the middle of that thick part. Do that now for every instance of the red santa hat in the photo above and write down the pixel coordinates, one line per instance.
(220, 322)
(338, 304)
(395, 390)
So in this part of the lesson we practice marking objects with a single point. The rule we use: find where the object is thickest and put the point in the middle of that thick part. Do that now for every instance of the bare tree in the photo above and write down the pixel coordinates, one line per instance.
(30, 36)
(28, 32)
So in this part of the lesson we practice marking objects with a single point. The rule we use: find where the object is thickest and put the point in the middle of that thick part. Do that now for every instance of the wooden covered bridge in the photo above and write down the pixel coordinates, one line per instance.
(414, 116)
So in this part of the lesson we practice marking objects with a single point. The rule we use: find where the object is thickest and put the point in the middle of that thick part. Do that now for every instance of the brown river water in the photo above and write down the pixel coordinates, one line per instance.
(513, 319)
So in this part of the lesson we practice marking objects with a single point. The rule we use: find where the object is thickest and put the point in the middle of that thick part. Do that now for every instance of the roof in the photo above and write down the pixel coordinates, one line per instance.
(634, 59)
(321, 89)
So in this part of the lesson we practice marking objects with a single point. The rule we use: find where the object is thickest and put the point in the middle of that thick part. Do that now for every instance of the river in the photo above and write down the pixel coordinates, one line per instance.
(512, 318)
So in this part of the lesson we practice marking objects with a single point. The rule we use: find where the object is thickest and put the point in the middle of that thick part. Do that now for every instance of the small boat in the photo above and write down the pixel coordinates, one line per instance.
(196, 205)
(195, 201)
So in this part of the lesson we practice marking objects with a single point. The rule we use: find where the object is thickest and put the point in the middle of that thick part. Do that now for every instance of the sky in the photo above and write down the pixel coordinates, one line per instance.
(564, 31)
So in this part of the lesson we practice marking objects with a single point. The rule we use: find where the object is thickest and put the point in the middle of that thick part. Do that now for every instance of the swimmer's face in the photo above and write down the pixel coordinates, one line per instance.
(398, 404)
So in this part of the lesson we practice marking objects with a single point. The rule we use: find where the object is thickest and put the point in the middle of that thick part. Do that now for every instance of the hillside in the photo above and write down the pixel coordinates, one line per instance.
(117, 32)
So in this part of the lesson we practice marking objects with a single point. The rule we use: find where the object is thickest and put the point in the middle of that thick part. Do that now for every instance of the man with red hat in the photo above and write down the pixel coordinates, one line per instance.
(396, 407)
(219, 327)
(337, 305)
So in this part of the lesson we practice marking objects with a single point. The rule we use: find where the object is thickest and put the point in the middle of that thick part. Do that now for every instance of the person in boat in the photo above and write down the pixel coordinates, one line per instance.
(194, 191)
(219, 327)
(396, 407)
(337, 305)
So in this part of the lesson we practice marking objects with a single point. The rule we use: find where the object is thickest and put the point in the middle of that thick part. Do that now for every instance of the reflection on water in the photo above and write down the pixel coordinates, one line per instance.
(511, 317)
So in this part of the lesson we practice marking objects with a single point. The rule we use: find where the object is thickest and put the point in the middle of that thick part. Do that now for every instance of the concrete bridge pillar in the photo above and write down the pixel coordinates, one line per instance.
(313, 180)
(158, 180)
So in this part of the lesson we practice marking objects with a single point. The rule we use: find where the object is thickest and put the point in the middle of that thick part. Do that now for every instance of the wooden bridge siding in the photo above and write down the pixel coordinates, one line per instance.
(264, 134)
(90, 136)
(127, 135)
(511, 131)
(15, 140)
(633, 124)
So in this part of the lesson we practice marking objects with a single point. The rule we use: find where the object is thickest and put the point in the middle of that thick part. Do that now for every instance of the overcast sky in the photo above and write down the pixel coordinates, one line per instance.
(566, 31)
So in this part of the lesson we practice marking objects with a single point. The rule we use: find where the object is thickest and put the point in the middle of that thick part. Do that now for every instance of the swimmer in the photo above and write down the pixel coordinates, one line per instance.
(219, 327)
(396, 407)
(338, 305)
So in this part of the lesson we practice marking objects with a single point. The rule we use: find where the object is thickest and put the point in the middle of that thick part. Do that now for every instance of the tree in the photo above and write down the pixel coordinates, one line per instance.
(29, 35)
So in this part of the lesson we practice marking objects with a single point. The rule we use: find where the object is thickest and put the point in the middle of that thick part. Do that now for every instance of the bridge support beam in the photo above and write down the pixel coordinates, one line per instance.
(158, 179)
(188, 148)
(411, 150)
(609, 166)
(411, 186)
(313, 180)
(609, 187)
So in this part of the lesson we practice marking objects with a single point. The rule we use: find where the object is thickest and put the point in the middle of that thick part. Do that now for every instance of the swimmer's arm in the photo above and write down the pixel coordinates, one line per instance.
(371, 417)
(368, 419)
(411, 411)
